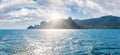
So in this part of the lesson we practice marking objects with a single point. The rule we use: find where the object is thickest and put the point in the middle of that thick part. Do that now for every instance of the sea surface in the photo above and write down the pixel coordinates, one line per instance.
(60, 42)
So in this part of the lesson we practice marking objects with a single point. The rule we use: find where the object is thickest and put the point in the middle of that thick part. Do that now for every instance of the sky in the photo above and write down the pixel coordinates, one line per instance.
(18, 14)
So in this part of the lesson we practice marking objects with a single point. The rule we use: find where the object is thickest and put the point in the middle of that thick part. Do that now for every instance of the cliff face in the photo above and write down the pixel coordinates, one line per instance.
(104, 22)
(60, 24)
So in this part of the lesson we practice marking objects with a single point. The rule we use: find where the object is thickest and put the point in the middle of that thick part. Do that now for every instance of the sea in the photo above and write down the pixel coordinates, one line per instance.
(60, 42)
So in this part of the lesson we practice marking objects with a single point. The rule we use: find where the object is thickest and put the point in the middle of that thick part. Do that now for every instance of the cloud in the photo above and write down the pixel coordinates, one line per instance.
(86, 7)
(22, 15)
(16, 11)
(20, 9)
(110, 6)
(14, 20)
(11, 5)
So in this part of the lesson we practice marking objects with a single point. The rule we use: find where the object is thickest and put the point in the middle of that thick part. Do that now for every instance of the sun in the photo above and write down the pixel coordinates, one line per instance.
(56, 16)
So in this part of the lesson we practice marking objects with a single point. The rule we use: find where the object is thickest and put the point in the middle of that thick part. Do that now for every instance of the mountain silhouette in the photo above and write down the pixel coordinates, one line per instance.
(104, 22)
(59, 24)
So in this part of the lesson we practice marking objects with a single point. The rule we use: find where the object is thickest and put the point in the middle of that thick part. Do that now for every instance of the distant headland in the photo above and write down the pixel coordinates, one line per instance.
(104, 22)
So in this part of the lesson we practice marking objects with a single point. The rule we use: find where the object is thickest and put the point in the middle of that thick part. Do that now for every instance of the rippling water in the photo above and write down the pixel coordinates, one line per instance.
(60, 42)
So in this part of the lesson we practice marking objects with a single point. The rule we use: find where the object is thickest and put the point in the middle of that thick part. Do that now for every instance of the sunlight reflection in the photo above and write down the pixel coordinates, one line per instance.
(51, 40)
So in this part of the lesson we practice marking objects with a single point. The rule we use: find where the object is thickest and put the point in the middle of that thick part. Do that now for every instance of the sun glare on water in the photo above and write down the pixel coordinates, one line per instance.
(49, 43)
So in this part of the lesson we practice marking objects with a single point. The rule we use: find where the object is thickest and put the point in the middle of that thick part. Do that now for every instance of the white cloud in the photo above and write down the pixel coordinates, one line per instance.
(23, 12)
(10, 5)
(87, 7)
(110, 6)
(21, 15)
(14, 20)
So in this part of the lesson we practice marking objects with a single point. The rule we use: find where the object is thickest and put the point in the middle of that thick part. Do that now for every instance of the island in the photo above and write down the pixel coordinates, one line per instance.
(104, 22)
(58, 24)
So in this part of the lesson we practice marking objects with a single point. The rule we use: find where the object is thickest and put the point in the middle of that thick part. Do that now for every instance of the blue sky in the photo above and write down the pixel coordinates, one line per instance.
(18, 14)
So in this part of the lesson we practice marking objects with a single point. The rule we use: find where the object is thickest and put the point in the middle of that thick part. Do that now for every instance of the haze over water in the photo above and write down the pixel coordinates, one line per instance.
(60, 42)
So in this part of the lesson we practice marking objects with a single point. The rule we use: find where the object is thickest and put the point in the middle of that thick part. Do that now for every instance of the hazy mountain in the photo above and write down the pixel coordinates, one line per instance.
(101, 22)
(108, 22)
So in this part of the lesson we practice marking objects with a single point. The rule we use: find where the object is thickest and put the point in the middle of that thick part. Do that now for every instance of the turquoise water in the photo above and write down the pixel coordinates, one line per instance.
(60, 42)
